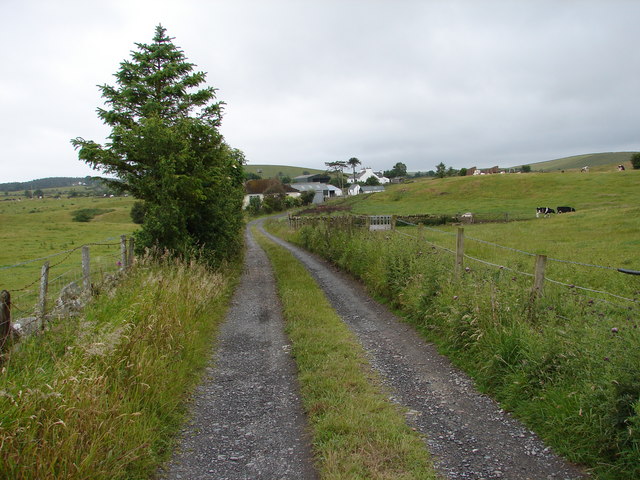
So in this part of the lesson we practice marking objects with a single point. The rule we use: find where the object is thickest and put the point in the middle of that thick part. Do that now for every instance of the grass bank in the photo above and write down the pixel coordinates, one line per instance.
(566, 364)
(101, 396)
(357, 432)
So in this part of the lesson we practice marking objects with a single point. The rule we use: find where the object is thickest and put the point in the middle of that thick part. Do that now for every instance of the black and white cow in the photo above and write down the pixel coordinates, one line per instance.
(565, 209)
(545, 211)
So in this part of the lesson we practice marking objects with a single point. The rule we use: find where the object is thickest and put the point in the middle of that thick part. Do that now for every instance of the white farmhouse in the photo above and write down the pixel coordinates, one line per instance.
(367, 173)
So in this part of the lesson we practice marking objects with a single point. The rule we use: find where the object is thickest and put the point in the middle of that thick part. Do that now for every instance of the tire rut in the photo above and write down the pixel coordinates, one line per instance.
(468, 433)
(247, 421)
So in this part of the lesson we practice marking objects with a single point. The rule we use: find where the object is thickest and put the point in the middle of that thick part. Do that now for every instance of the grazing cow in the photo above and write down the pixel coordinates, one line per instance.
(565, 209)
(621, 168)
(585, 169)
(546, 211)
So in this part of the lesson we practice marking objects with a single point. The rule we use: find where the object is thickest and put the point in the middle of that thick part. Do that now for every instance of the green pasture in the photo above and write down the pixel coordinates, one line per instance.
(516, 194)
(38, 228)
(596, 161)
(604, 230)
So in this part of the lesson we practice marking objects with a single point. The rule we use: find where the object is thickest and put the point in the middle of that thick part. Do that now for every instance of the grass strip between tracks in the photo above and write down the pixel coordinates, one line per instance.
(357, 431)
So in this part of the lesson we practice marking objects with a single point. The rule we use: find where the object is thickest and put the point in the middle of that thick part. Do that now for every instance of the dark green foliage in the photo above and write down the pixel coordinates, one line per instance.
(353, 162)
(372, 181)
(165, 149)
(307, 197)
(87, 214)
(635, 161)
(255, 205)
(526, 169)
(138, 212)
(398, 170)
(251, 176)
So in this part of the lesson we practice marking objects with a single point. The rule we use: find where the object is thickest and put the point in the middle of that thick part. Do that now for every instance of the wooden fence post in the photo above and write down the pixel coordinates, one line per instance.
(394, 219)
(86, 269)
(459, 250)
(123, 252)
(130, 252)
(5, 317)
(42, 302)
(538, 281)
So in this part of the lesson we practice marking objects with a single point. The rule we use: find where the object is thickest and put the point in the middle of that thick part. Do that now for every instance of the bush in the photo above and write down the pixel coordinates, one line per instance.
(635, 161)
(138, 211)
(87, 214)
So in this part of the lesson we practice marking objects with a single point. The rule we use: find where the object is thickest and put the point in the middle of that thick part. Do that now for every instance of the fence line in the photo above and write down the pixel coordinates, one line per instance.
(88, 269)
(539, 274)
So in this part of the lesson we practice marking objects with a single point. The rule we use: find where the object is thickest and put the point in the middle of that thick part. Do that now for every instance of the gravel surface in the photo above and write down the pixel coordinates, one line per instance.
(247, 422)
(468, 433)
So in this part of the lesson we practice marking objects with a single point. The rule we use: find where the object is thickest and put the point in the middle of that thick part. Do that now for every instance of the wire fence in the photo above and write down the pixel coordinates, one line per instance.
(35, 285)
(575, 276)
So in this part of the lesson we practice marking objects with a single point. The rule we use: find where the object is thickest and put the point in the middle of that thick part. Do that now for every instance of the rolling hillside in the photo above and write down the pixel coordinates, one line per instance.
(272, 171)
(598, 161)
(515, 194)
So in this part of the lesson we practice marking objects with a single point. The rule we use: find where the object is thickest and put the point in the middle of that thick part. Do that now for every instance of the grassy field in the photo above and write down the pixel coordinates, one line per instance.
(39, 228)
(603, 230)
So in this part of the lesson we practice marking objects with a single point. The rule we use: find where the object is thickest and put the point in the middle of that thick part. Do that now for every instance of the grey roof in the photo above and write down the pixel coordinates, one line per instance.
(372, 189)
(313, 186)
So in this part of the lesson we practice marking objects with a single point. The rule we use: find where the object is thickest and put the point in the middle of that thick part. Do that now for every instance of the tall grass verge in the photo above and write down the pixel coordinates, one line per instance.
(101, 396)
(357, 432)
(567, 365)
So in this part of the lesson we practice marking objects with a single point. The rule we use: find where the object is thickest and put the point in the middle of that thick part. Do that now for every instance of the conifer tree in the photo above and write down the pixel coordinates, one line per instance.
(165, 149)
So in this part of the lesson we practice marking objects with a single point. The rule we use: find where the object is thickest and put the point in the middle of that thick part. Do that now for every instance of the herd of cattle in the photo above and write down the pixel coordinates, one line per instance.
(546, 211)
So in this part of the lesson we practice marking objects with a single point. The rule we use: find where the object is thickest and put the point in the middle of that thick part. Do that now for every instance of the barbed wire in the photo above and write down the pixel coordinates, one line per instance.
(26, 262)
(602, 292)
(467, 237)
(577, 287)
(501, 267)
(68, 252)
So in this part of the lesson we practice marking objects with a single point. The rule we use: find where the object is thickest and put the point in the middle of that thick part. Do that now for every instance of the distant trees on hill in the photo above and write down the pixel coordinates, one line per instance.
(49, 182)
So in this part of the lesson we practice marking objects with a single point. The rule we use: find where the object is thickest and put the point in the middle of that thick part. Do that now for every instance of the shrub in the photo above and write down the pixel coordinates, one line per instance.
(138, 211)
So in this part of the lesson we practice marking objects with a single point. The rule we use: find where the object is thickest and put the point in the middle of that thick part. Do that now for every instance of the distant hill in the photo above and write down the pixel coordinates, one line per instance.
(49, 182)
(578, 161)
(273, 171)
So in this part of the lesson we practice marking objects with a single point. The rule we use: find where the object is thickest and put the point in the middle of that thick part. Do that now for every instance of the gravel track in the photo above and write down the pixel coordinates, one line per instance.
(468, 433)
(247, 422)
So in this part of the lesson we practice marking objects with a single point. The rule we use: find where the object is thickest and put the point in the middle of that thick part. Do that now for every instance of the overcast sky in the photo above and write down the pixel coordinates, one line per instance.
(467, 83)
